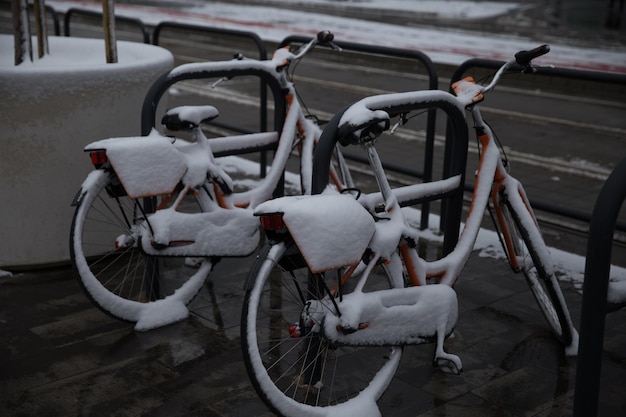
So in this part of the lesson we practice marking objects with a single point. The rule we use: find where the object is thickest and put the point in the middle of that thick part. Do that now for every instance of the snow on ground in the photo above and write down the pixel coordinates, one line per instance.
(448, 9)
(447, 46)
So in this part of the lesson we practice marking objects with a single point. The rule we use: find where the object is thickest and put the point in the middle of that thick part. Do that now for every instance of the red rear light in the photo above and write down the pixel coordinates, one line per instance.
(98, 157)
(272, 222)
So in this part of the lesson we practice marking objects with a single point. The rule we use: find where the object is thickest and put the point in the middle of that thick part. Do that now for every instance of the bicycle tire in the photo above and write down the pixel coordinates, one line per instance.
(302, 375)
(535, 262)
(125, 282)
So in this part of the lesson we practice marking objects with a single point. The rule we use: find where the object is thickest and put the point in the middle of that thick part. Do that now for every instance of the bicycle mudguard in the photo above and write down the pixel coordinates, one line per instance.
(145, 165)
(330, 230)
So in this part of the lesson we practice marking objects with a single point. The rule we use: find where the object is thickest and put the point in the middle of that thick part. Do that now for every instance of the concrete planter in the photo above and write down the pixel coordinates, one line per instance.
(50, 110)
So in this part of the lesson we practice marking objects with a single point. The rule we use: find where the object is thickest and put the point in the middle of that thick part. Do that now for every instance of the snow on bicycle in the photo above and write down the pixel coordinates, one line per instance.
(158, 213)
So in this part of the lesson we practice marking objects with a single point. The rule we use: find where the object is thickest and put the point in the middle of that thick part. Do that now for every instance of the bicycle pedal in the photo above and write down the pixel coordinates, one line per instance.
(124, 242)
(193, 262)
(447, 366)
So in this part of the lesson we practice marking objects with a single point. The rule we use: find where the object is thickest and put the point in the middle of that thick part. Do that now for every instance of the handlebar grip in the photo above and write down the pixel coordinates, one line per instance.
(325, 36)
(523, 58)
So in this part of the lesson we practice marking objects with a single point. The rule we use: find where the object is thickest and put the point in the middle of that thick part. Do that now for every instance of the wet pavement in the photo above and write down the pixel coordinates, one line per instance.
(61, 356)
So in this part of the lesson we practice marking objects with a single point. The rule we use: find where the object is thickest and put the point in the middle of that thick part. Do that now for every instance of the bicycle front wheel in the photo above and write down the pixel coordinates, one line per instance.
(532, 257)
(293, 368)
(115, 273)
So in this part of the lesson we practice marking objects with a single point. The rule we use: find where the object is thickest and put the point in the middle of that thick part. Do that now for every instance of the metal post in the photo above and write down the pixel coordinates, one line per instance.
(595, 289)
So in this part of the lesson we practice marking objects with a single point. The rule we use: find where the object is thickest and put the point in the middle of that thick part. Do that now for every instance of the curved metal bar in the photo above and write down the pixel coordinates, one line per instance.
(457, 141)
(160, 86)
(91, 13)
(433, 84)
(156, 34)
(595, 289)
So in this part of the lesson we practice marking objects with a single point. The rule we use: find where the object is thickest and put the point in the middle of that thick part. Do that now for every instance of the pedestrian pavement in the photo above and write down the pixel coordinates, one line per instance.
(61, 356)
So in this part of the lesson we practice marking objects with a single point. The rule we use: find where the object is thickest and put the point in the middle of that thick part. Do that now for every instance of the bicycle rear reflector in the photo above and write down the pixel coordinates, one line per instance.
(98, 157)
(274, 226)
(272, 222)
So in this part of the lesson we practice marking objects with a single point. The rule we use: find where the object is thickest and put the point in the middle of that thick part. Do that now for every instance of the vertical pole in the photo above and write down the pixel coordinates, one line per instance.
(595, 289)
(428, 163)
(108, 24)
(41, 27)
(21, 31)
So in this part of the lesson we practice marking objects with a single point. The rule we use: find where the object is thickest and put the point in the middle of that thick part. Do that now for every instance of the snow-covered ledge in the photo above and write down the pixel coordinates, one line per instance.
(50, 109)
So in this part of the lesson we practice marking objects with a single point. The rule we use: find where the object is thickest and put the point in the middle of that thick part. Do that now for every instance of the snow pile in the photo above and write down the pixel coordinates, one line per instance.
(443, 46)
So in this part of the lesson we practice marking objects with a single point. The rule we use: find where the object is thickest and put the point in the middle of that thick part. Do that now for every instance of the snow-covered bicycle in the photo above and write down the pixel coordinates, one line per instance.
(341, 288)
(157, 213)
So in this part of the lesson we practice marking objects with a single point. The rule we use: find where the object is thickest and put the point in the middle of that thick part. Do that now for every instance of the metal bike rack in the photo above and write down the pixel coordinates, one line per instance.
(262, 50)
(433, 84)
(595, 289)
(562, 73)
(156, 36)
(457, 141)
(91, 13)
(160, 86)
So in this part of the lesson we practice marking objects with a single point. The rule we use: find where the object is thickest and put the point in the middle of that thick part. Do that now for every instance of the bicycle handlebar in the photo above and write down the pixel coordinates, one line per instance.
(523, 59)
(324, 37)
(369, 117)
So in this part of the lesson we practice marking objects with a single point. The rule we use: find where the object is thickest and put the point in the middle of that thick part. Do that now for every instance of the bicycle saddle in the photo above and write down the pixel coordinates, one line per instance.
(188, 117)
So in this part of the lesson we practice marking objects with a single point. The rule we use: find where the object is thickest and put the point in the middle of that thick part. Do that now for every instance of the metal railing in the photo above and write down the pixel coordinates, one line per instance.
(458, 143)
(595, 290)
(138, 23)
(256, 40)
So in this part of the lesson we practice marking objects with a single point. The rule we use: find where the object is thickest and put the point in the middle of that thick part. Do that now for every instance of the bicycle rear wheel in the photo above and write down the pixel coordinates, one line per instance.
(115, 273)
(293, 368)
(532, 257)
